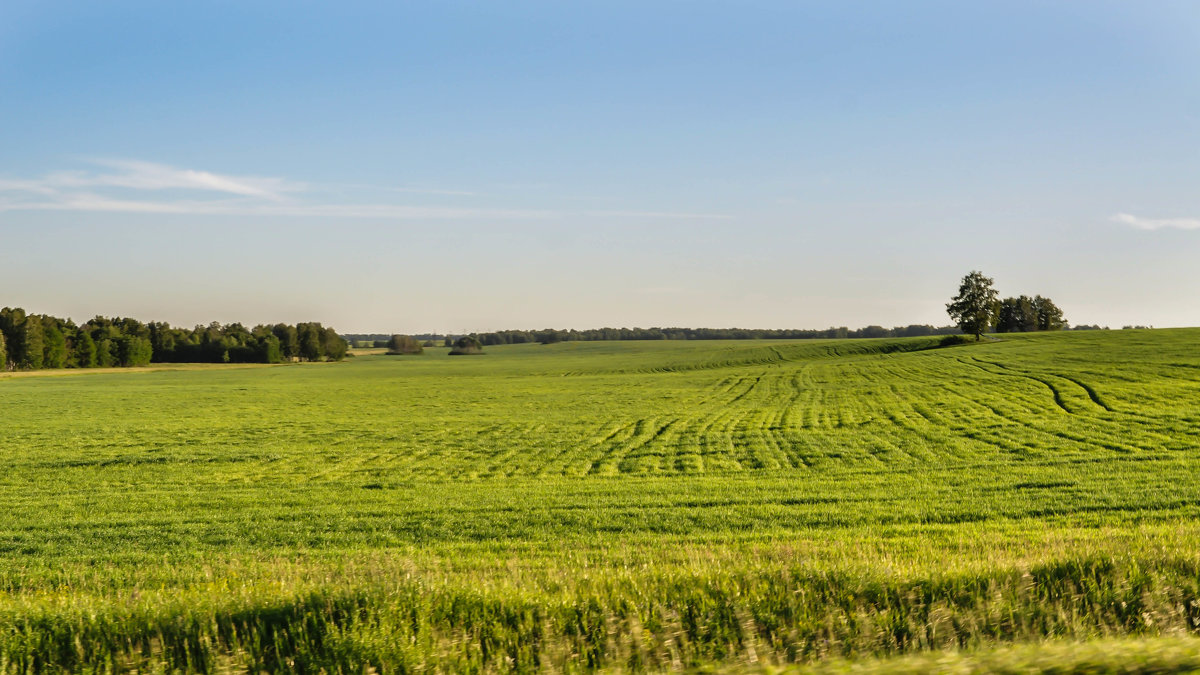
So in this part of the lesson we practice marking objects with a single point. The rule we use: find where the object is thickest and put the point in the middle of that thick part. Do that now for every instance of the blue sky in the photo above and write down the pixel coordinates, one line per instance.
(453, 166)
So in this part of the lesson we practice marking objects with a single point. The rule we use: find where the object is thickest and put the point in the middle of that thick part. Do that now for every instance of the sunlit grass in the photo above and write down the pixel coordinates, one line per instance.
(618, 505)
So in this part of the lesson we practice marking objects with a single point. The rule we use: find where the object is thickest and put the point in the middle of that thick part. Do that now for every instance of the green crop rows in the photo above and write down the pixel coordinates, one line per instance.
(625, 506)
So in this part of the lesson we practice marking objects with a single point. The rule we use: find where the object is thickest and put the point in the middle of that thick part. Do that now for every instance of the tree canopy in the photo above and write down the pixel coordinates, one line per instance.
(1016, 315)
(975, 305)
(1049, 316)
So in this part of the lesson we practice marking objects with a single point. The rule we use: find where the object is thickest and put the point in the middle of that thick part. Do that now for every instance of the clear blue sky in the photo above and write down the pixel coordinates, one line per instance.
(454, 166)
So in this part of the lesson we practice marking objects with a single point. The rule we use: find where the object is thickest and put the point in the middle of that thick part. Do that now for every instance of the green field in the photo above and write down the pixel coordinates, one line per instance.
(626, 506)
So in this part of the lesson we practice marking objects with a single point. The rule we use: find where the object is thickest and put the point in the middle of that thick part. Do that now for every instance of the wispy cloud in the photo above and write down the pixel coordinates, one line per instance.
(668, 215)
(139, 175)
(121, 186)
(149, 176)
(1157, 223)
(99, 203)
(410, 189)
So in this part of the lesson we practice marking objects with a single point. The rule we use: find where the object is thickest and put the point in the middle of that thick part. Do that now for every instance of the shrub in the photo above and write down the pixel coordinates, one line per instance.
(465, 345)
(403, 344)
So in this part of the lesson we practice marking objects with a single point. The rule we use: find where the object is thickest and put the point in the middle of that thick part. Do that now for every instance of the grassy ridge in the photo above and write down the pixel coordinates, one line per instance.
(628, 505)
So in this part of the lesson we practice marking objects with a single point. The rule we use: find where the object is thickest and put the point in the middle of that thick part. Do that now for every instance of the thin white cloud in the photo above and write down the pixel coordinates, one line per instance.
(432, 191)
(412, 189)
(149, 176)
(655, 214)
(99, 203)
(139, 175)
(116, 191)
(1157, 223)
(30, 186)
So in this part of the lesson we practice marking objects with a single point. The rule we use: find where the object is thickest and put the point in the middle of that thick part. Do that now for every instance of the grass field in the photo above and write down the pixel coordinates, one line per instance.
(842, 506)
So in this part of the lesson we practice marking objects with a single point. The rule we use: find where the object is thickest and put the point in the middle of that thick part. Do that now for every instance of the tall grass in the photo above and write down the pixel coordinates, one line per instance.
(656, 621)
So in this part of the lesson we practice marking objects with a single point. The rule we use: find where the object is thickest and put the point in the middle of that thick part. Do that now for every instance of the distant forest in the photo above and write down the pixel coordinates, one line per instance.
(506, 337)
(36, 341)
(551, 335)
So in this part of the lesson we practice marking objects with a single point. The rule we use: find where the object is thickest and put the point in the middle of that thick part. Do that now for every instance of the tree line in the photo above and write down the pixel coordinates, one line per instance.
(378, 340)
(36, 341)
(548, 336)
(552, 335)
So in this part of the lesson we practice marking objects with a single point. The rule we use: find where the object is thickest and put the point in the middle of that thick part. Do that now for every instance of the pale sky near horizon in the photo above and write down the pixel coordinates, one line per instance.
(461, 166)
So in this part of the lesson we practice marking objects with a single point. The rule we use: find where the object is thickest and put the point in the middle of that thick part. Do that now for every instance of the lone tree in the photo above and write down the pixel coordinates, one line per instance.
(974, 306)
